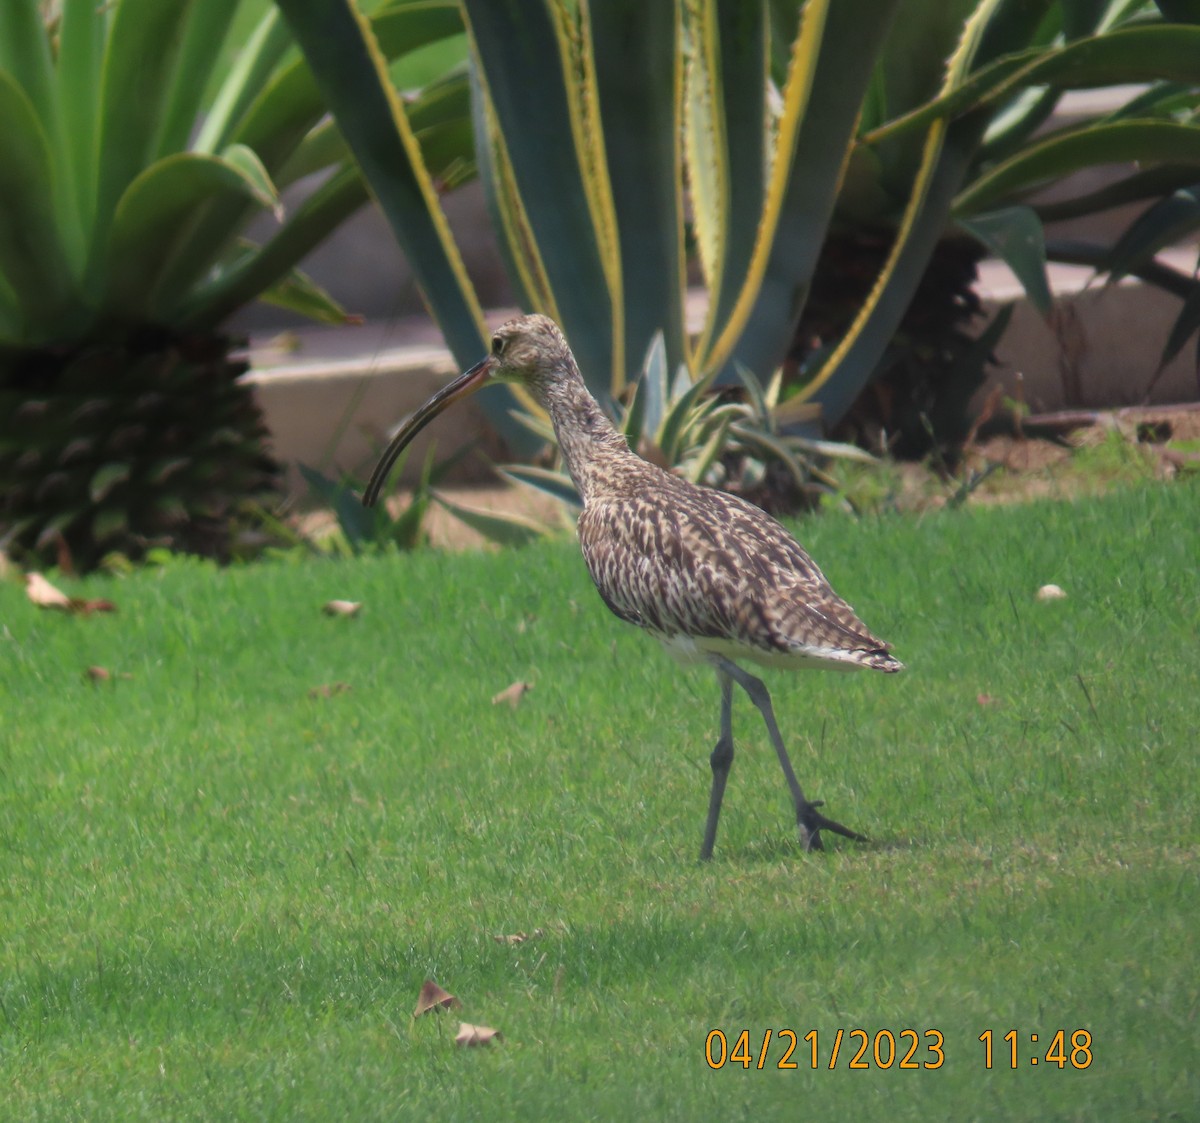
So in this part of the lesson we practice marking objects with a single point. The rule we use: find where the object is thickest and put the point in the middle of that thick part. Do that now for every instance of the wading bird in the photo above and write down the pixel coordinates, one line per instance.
(711, 576)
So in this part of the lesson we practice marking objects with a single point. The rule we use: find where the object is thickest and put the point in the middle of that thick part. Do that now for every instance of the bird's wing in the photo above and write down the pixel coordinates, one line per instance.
(705, 564)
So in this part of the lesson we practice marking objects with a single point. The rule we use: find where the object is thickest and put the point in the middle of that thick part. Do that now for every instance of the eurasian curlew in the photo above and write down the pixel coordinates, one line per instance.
(714, 578)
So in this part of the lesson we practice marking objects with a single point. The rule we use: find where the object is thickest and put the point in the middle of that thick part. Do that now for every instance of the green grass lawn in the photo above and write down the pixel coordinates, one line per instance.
(220, 896)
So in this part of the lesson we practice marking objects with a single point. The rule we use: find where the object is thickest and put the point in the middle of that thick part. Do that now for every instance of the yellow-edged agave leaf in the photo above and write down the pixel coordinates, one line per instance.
(1123, 56)
(533, 75)
(832, 62)
(705, 143)
(726, 136)
(514, 237)
(947, 153)
(639, 80)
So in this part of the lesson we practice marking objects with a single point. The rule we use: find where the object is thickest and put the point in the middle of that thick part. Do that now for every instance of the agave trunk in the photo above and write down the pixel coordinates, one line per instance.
(151, 441)
(919, 394)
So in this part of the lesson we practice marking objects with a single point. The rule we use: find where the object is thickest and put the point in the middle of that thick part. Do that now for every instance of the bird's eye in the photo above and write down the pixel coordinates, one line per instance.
(497, 345)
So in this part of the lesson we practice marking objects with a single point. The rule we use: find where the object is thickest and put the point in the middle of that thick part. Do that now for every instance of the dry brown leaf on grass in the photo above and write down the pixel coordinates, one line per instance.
(476, 1035)
(986, 699)
(515, 938)
(45, 595)
(87, 607)
(329, 689)
(512, 694)
(342, 607)
(103, 674)
(432, 997)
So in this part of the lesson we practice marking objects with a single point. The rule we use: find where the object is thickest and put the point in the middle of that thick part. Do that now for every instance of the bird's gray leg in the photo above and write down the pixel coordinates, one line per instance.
(721, 759)
(810, 820)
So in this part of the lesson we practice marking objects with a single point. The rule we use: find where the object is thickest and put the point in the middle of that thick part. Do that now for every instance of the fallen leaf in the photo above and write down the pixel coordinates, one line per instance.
(432, 997)
(476, 1035)
(518, 937)
(341, 607)
(1050, 592)
(328, 690)
(512, 694)
(87, 607)
(986, 699)
(45, 595)
(103, 674)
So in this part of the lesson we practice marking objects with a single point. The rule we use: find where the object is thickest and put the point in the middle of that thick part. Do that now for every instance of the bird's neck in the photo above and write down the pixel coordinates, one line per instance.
(592, 448)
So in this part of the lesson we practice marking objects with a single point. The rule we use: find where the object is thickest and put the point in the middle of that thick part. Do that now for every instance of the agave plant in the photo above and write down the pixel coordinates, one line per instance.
(1007, 153)
(131, 170)
(611, 136)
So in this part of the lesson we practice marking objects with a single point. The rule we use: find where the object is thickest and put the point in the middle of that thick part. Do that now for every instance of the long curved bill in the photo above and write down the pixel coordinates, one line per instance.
(463, 386)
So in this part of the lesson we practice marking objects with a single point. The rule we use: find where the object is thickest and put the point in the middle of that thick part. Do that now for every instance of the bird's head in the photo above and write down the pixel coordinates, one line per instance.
(529, 351)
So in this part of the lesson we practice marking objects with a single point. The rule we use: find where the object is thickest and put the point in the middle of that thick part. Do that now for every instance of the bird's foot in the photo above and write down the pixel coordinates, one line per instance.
(812, 823)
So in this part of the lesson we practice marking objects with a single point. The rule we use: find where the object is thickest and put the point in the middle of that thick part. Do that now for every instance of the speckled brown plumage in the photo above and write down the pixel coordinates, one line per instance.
(686, 562)
(714, 578)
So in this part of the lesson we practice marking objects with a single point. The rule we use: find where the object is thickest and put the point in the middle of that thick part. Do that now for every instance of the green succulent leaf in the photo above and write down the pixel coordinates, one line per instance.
(151, 263)
(299, 293)
(35, 263)
(508, 529)
(201, 39)
(1015, 235)
(1168, 221)
(350, 70)
(1186, 325)
(652, 387)
(141, 51)
(1145, 142)
(251, 168)
(357, 522)
(244, 84)
(556, 484)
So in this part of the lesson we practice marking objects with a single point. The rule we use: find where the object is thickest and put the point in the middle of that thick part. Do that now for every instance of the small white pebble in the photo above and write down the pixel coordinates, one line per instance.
(1051, 592)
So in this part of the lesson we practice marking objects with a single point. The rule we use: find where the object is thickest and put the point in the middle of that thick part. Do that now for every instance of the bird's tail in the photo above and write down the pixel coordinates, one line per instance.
(879, 659)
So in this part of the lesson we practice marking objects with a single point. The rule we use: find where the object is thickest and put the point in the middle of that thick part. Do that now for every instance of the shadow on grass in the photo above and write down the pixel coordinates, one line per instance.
(781, 847)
